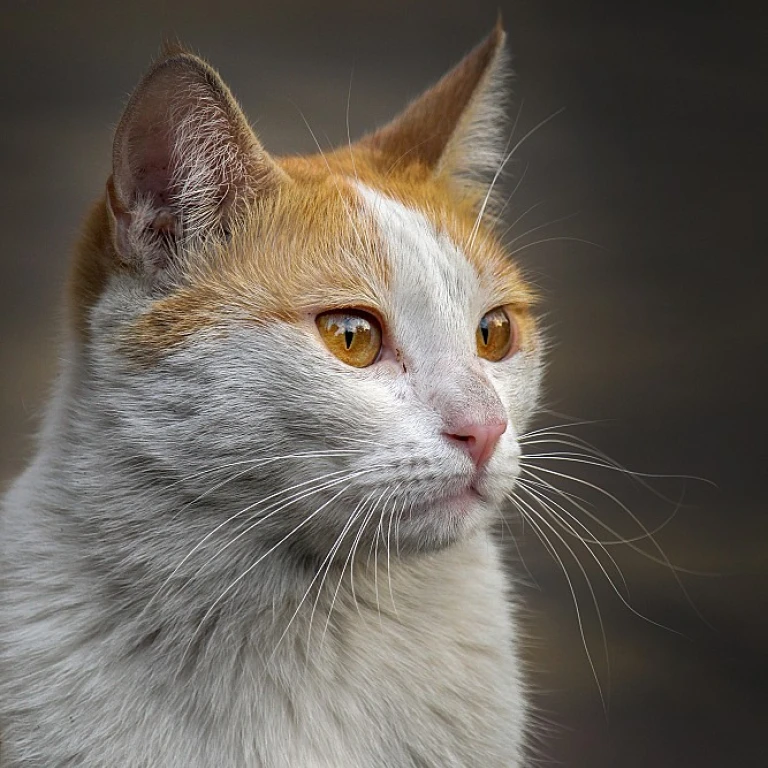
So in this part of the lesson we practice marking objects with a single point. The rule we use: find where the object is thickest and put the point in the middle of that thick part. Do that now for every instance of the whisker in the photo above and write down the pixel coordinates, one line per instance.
(221, 525)
(228, 465)
(327, 560)
(355, 228)
(520, 503)
(574, 441)
(375, 547)
(389, 555)
(355, 544)
(364, 441)
(397, 525)
(280, 506)
(592, 453)
(539, 227)
(570, 529)
(519, 552)
(517, 186)
(500, 170)
(349, 137)
(578, 502)
(560, 239)
(647, 534)
(259, 463)
(664, 560)
(565, 425)
(347, 562)
(505, 156)
(332, 553)
(399, 159)
(520, 218)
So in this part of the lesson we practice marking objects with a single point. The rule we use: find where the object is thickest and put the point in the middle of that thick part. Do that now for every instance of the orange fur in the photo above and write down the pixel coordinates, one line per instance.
(95, 259)
(428, 128)
(302, 250)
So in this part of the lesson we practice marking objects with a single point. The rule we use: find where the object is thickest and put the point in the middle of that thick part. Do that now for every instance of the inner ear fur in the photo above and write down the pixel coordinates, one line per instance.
(184, 162)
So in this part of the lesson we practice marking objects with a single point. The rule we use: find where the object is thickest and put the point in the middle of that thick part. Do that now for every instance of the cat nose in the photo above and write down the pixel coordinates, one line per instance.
(479, 440)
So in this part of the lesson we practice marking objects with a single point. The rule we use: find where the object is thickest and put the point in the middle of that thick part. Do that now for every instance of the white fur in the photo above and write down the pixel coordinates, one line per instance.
(139, 628)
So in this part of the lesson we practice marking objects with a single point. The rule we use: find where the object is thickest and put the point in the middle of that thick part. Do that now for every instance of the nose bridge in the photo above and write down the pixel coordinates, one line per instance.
(472, 414)
(463, 396)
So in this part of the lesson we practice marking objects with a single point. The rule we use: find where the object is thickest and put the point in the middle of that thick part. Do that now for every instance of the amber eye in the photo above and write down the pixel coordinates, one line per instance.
(352, 335)
(496, 335)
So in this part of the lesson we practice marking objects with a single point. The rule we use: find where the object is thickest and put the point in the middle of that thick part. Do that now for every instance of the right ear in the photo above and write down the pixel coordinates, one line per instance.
(185, 163)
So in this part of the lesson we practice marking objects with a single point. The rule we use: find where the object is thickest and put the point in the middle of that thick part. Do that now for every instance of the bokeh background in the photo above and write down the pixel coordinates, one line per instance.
(658, 330)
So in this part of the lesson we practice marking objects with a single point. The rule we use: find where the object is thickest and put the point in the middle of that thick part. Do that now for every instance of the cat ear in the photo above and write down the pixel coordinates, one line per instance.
(185, 161)
(454, 128)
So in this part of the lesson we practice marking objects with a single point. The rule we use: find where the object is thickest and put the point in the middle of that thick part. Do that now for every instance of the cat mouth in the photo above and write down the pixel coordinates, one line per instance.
(455, 497)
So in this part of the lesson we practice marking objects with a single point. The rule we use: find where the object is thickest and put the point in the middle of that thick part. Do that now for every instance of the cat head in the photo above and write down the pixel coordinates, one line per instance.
(338, 345)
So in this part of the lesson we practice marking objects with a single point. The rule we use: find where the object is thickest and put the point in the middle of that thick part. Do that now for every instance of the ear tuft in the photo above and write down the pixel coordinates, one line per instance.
(184, 162)
(454, 129)
(172, 46)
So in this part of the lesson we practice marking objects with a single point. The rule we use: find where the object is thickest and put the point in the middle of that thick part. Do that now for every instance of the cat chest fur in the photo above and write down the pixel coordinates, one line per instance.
(396, 677)
(444, 690)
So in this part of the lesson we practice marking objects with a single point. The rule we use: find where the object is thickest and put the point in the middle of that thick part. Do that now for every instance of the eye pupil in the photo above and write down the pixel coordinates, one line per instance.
(348, 337)
(484, 330)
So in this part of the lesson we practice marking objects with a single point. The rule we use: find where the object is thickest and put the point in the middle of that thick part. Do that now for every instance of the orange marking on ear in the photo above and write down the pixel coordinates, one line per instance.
(93, 262)
(308, 247)
(442, 115)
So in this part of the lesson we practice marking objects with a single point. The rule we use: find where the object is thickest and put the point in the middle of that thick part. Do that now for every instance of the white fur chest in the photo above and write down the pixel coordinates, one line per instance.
(423, 675)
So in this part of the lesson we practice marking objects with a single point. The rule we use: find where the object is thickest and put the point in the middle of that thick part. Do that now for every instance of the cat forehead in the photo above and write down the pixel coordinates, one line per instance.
(437, 246)
(345, 238)
(428, 267)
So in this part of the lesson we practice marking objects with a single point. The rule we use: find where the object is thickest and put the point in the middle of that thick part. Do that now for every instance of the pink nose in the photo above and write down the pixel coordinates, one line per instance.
(479, 440)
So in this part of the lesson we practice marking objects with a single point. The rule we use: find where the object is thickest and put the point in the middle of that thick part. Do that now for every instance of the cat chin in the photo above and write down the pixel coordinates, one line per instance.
(446, 520)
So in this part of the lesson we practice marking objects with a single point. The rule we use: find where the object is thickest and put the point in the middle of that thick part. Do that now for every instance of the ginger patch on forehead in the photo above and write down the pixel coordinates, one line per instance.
(306, 249)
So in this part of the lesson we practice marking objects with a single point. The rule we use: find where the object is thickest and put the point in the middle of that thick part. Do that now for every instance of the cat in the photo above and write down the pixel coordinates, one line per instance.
(256, 531)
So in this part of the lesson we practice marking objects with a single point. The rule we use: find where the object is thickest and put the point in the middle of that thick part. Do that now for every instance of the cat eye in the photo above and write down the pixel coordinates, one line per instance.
(353, 336)
(496, 335)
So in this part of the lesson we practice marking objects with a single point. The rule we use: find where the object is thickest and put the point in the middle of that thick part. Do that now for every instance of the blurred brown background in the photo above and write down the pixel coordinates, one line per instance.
(658, 335)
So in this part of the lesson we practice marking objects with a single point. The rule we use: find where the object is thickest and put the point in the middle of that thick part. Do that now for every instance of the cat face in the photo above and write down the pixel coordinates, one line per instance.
(337, 347)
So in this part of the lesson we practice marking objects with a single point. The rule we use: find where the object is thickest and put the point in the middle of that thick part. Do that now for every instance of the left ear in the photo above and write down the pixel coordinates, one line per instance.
(185, 164)
(454, 129)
